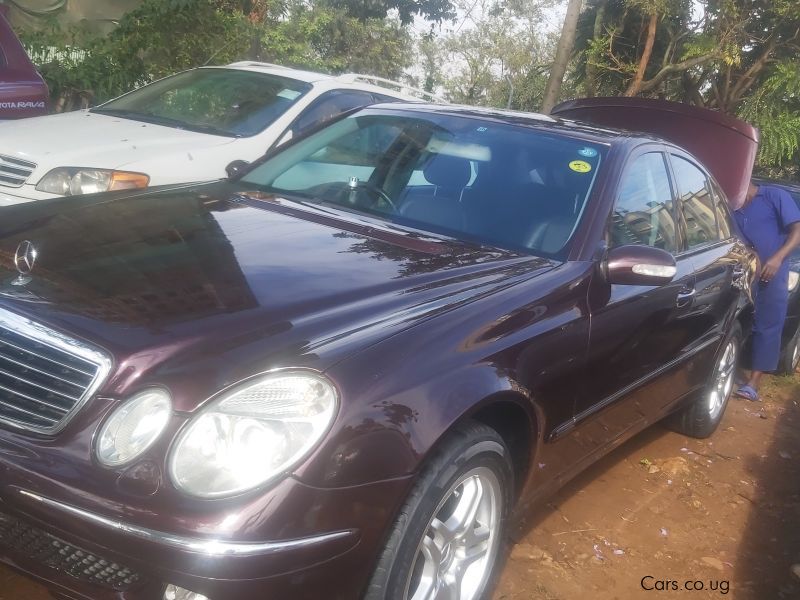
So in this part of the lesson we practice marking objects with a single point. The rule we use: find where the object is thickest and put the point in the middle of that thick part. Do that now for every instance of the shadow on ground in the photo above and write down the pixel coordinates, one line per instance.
(770, 543)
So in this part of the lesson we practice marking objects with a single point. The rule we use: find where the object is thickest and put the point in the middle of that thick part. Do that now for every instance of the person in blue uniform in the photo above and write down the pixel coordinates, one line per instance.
(769, 220)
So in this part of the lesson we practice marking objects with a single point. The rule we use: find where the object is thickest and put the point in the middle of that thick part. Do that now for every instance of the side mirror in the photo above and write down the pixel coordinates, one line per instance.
(640, 265)
(236, 168)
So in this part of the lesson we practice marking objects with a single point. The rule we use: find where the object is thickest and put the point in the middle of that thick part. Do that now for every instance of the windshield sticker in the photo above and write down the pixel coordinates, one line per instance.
(288, 94)
(580, 166)
(588, 152)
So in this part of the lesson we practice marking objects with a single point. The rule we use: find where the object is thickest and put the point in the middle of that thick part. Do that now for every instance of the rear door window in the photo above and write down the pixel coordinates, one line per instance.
(643, 213)
(698, 211)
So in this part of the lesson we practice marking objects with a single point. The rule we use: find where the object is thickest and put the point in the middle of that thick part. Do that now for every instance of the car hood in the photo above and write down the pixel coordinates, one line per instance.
(198, 287)
(87, 139)
(726, 145)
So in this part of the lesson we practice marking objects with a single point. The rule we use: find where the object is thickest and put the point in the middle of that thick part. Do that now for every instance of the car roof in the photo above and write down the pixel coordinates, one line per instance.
(589, 132)
(794, 186)
(272, 69)
(347, 81)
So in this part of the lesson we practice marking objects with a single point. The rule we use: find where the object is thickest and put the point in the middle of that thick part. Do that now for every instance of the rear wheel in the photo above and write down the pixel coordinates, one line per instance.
(790, 357)
(702, 417)
(446, 541)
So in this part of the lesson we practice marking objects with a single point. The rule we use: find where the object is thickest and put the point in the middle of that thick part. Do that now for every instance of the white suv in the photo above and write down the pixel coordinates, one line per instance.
(185, 128)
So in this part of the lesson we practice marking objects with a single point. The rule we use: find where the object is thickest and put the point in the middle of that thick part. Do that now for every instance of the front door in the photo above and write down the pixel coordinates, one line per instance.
(638, 333)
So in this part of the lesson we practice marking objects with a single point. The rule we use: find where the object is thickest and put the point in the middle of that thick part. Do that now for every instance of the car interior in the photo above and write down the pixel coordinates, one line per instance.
(525, 192)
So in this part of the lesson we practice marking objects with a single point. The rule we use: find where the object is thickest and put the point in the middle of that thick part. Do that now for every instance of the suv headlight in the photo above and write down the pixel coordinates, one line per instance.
(71, 181)
(254, 433)
(133, 427)
(794, 279)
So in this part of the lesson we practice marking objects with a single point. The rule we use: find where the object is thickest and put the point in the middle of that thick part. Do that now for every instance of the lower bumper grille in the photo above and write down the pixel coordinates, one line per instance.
(81, 564)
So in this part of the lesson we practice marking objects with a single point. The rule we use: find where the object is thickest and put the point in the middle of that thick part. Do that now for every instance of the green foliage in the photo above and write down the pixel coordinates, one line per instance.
(327, 39)
(775, 109)
(433, 10)
(502, 53)
(162, 37)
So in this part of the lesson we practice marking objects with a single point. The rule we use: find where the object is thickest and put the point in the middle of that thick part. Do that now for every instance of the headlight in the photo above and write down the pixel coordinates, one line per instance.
(133, 427)
(71, 181)
(252, 434)
(794, 278)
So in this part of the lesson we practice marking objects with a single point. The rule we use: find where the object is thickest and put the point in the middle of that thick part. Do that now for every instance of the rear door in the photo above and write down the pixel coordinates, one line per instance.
(639, 334)
(715, 254)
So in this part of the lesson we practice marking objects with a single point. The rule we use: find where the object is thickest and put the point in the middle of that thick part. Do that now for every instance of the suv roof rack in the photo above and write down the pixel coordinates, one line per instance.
(383, 82)
(256, 63)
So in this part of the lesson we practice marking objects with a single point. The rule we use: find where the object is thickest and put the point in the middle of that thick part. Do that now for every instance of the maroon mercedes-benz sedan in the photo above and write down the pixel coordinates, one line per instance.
(339, 375)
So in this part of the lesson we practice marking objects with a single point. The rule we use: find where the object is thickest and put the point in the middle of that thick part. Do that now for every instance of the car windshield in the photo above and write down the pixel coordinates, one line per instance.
(519, 187)
(228, 102)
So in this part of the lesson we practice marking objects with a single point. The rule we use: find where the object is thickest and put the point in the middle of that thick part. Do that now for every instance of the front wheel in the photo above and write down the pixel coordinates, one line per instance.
(446, 540)
(701, 418)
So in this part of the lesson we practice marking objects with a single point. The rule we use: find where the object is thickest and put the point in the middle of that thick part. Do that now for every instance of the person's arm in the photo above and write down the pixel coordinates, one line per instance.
(789, 215)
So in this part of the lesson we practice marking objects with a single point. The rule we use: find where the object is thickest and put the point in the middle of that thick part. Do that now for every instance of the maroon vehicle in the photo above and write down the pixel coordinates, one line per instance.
(342, 373)
(727, 146)
(23, 92)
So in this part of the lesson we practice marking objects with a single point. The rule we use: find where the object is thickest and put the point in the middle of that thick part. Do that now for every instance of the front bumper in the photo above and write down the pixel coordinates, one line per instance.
(82, 554)
(9, 196)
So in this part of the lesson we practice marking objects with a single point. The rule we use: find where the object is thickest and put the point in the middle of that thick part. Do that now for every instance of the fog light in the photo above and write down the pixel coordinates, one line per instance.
(173, 592)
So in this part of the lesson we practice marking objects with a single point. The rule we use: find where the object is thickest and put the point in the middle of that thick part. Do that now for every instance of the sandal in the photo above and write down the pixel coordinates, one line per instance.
(748, 393)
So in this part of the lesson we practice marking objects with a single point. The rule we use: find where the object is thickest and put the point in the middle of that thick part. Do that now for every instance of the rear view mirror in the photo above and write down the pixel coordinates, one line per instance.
(640, 265)
(236, 168)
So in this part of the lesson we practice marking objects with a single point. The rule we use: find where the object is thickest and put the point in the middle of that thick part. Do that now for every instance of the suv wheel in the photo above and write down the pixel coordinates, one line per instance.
(702, 417)
(446, 540)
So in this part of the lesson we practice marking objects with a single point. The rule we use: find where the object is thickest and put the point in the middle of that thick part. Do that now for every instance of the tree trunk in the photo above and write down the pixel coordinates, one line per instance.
(563, 52)
(636, 84)
(591, 69)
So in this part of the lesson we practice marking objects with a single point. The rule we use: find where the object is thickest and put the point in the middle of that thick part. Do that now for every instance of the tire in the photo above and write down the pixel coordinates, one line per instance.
(790, 357)
(472, 463)
(701, 418)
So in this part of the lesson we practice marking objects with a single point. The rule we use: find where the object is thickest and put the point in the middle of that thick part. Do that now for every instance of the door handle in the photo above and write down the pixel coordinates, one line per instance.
(685, 297)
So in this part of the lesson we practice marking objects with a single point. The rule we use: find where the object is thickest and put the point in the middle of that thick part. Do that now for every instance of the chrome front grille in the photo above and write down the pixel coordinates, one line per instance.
(14, 171)
(45, 377)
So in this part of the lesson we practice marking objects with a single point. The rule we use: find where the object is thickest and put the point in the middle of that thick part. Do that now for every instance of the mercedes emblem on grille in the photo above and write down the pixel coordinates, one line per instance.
(24, 259)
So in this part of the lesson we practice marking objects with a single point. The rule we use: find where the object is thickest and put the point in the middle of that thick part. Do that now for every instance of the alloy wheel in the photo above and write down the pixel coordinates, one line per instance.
(722, 384)
(457, 552)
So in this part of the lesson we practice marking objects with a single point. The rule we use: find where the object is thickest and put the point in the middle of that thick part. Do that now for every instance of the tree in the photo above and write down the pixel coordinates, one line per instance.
(564, 49)
(327, 39)
(432, 10)
(497, 55)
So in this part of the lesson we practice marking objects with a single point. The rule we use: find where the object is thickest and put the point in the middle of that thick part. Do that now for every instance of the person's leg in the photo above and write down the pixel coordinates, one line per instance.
(755, 379)
(769, 316)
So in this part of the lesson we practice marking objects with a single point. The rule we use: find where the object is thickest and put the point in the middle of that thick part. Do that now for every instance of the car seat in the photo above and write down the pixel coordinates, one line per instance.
(440, 204)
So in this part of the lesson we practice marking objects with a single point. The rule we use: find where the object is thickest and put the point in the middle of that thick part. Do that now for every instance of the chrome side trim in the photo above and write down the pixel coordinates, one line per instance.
(207, 547)
(568, 426)
(50, 337)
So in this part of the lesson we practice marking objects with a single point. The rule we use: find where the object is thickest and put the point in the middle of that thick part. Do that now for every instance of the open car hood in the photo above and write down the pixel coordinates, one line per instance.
(726, 145)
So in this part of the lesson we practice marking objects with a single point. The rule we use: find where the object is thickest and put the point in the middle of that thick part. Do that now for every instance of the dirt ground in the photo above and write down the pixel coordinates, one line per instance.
(663, 512)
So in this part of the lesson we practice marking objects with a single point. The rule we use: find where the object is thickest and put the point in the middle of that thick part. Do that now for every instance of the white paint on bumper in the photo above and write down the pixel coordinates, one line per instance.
(26, 193)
